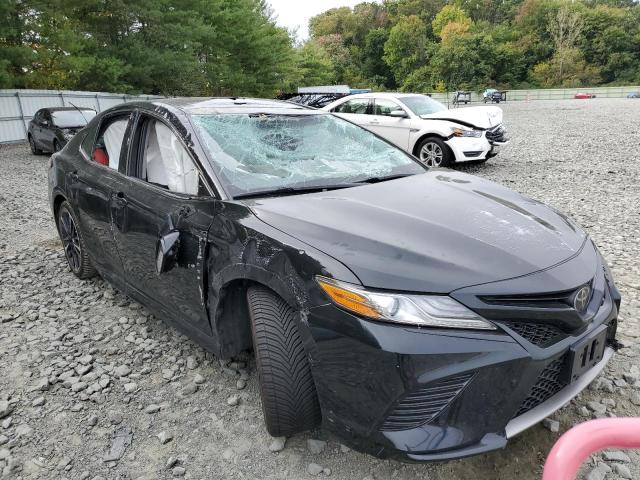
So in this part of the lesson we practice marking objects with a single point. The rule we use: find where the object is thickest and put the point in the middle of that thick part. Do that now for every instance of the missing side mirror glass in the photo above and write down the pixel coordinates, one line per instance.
(166, 251)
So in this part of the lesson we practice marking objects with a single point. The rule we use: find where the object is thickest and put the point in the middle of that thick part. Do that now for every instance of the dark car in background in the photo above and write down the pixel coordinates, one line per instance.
(417, 313)
(51, 128)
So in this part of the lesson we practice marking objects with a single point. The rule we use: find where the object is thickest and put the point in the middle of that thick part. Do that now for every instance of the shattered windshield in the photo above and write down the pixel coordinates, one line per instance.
(423, 105)
(259, 152)
(72, 118)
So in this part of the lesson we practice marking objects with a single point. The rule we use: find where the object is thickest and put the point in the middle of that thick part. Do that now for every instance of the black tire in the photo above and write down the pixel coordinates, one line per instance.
(442, 156)
(289, 399)
(32, 143)
(73, 243)
(56, 146)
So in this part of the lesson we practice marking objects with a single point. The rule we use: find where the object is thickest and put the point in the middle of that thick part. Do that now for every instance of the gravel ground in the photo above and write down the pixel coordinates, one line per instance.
(93, 387)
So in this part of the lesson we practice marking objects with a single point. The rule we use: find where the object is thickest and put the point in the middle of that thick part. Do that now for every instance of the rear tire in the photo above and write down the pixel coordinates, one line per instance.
(73, 244)
(32, 143)
(289, 399)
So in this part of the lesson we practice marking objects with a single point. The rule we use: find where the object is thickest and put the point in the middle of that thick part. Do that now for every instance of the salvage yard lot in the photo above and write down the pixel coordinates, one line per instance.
(162, 407)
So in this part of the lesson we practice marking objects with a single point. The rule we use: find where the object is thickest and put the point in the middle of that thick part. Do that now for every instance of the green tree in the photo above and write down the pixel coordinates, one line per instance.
(405, 49)
(15, 54)
(449, 14)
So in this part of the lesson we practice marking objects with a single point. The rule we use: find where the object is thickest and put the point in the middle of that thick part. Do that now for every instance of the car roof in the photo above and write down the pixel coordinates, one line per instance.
(217, 105)
(380, 95)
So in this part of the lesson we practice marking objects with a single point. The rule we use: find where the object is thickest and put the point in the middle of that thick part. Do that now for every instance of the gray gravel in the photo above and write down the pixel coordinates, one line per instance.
(94, 387)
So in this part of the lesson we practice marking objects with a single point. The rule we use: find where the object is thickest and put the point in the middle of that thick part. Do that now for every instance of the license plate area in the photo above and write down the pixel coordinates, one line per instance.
(585, 354)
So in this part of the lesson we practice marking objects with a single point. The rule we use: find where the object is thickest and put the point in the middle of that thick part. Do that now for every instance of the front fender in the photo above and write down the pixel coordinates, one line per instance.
(424, 128)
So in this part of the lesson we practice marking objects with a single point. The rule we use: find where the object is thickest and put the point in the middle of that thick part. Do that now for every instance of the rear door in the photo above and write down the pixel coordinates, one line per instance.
(164, 191)
(92, 184)
(355, 110)
(394, 129)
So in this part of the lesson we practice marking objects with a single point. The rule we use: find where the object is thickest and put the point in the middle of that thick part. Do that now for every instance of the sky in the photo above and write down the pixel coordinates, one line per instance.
(296, 13)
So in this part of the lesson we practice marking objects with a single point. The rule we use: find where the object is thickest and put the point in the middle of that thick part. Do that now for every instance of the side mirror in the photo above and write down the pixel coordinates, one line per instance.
(398, 114)
(166, 251)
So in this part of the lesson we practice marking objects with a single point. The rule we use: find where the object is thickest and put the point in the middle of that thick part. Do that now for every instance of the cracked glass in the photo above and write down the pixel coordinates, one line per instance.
(256, 152)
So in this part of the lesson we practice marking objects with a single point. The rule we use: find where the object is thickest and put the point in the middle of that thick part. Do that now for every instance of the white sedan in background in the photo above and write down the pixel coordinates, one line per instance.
(426, 128)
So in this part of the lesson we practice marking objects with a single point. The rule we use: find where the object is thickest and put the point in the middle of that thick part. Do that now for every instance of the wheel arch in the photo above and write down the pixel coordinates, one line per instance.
(229, 309)
(58, 199)
(426, 135)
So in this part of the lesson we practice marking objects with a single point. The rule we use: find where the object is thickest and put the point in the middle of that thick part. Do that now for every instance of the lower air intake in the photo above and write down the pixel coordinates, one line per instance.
(548, 384)
(424, 404)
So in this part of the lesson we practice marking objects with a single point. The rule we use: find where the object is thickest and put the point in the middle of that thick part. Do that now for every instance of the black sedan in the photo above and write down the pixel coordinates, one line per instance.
(51, 128)
(422, 314)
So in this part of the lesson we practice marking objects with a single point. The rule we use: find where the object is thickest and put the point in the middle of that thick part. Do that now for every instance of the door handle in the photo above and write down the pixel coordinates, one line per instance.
(375, 122)
(120, 198)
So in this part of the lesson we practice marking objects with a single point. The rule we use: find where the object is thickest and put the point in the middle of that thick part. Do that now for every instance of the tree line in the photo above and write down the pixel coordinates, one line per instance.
(234, 47)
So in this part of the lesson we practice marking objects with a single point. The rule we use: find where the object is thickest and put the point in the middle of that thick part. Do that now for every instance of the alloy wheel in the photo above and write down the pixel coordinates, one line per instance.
(70, 240)
(431, 154)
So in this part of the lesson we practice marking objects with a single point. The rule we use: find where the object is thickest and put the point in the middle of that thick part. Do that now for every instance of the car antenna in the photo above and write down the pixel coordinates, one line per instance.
(80, 111)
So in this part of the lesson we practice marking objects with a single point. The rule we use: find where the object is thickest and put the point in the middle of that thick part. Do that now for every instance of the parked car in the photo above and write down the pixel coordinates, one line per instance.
(633, 95)
(491, 95)
(584, 95)
(425, 128)
(51, 128)
(417, 313)
(461, 97)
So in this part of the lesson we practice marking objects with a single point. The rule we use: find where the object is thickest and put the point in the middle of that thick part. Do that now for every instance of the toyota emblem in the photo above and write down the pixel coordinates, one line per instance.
(581, 299)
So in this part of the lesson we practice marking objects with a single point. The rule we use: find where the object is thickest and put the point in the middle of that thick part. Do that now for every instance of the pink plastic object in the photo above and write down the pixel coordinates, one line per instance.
(576, 445)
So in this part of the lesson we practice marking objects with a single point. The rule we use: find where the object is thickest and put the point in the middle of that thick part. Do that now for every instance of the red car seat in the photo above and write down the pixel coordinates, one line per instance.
(100, 156)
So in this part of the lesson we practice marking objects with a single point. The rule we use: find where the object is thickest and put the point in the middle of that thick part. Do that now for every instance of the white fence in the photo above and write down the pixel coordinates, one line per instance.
(549, 93)
(17, 107)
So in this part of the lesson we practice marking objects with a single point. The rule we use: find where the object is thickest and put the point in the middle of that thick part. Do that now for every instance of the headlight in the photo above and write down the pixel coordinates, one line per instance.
(465, 132)
(419, 310)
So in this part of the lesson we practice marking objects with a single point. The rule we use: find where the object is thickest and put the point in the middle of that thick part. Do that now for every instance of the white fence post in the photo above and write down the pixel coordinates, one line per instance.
(20, 109)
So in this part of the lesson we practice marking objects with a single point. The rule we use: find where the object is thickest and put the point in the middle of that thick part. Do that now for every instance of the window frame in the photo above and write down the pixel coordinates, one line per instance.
(95, 131)
(391, 100)
(135, 153)
(368, 110)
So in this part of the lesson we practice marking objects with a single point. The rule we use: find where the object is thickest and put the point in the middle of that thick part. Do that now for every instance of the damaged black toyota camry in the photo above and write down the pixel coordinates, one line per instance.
(421, 314)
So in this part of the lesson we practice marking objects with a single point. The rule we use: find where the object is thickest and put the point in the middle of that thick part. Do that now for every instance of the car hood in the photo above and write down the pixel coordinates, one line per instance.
(481, 117)
(434, 232)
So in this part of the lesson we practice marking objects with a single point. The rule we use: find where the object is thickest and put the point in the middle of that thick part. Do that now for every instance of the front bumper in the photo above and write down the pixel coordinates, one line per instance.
(434, 394)
(468, 149)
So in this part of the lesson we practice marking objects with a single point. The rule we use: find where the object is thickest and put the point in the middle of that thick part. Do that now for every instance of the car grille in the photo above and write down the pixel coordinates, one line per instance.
(424, 404)
(549, 383)
(540, 334)
(497, 134)
(537, 300)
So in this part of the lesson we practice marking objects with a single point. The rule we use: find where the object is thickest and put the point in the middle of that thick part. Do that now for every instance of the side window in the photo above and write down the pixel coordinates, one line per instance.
(37, 118)
(385, 107)
(357, 105)
(165, 162)
(107, 148)
(87, 141)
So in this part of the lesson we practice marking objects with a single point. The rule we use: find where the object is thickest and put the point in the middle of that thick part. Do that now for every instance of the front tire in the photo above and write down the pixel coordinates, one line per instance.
(73, 244)
(289, 399)
(433, 152)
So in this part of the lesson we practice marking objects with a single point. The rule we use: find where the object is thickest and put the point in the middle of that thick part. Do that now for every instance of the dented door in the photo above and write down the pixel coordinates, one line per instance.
(141, 214)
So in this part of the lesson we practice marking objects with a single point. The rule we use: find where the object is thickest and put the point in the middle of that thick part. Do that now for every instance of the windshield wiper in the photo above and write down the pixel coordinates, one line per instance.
(384, 179)
(294, 190)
